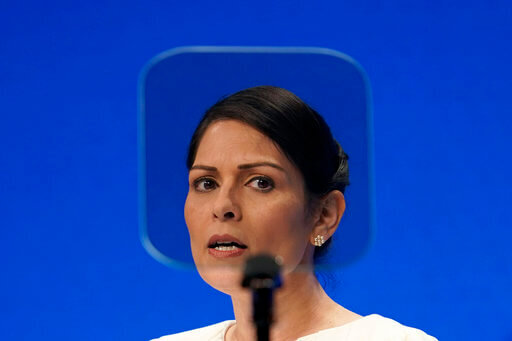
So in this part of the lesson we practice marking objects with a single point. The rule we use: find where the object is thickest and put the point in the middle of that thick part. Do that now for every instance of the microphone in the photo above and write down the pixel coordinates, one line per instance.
(262, 274)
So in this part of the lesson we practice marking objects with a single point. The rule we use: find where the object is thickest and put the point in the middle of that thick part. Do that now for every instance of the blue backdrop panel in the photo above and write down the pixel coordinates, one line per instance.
(178, 86)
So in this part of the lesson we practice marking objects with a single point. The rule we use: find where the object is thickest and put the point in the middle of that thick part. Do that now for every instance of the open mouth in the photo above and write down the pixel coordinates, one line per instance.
(226, 246)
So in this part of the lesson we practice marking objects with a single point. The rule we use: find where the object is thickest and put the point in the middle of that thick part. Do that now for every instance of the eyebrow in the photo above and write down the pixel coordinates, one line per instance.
(208, 168)
(260, 164)
(243, 166)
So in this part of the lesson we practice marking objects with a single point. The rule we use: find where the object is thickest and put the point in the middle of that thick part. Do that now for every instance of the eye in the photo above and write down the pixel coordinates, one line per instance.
(204, 184)
(261, 183)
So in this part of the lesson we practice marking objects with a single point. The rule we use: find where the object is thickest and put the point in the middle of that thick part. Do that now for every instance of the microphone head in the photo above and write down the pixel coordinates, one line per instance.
(262, 271)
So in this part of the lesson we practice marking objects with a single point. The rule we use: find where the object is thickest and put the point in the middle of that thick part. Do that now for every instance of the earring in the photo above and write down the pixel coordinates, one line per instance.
(319, 240)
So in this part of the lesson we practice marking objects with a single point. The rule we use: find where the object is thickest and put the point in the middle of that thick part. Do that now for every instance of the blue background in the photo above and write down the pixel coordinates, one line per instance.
(73, 266)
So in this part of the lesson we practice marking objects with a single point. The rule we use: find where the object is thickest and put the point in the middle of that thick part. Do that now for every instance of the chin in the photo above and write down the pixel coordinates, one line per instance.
(222, 274)
(226, 278)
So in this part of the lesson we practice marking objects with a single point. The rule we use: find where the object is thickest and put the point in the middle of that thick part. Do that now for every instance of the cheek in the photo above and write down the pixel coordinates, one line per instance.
(285, 229)
(187, 210)
(194, 214)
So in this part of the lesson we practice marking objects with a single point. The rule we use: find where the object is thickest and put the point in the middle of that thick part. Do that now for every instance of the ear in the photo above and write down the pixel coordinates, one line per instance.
(330, 210)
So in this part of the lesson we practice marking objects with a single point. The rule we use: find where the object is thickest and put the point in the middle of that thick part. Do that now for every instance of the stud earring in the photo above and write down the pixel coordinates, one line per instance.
(319, 240)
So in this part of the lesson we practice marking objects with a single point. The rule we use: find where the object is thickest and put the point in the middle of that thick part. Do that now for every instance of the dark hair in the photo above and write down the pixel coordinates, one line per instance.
(299, 131)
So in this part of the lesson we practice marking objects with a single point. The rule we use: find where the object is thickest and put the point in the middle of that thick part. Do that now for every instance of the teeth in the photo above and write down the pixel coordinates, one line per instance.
(225, 248)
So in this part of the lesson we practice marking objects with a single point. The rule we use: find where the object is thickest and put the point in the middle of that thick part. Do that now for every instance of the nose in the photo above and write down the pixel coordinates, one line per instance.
(226, 206)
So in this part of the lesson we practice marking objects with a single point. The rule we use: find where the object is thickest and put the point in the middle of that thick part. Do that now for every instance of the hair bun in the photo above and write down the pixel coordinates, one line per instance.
(340, 179)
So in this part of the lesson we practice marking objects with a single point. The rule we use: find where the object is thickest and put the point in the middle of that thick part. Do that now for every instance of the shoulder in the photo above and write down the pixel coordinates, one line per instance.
(212, 332)
(383, 328)
(372, 328)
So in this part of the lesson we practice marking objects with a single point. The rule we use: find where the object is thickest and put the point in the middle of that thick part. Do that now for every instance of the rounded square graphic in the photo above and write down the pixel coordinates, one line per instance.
(178, 86)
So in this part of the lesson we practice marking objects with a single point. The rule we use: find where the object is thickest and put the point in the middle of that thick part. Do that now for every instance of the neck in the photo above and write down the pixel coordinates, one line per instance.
(301, 307)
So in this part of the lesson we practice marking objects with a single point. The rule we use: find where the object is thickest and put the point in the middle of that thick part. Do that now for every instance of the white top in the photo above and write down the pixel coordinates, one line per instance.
(369, 328)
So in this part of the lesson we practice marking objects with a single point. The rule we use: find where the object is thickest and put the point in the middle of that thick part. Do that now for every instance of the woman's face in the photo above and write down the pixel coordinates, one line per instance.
(245, 197)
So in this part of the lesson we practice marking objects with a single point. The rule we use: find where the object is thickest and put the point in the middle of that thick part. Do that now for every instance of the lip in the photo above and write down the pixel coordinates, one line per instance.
(224, 238)
(225, 253)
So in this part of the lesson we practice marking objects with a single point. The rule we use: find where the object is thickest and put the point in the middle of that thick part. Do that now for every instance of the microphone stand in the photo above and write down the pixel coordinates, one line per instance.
(262, 276)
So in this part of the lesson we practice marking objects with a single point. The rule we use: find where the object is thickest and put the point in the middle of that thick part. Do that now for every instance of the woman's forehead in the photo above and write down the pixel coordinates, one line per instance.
(234, 140)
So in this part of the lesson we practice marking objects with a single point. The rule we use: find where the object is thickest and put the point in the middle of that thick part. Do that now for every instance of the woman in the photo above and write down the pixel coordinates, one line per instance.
(266, 176)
